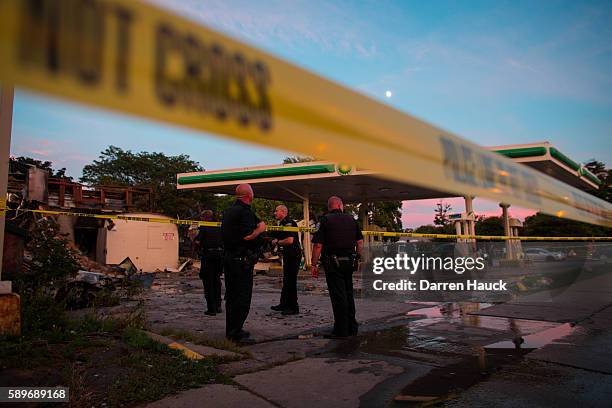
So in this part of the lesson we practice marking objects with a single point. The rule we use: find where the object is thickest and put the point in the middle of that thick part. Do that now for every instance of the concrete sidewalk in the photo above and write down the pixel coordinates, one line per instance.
(176, 302)
(404, 352)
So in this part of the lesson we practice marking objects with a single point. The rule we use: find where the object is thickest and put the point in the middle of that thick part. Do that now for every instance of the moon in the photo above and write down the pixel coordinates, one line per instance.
(388, 94)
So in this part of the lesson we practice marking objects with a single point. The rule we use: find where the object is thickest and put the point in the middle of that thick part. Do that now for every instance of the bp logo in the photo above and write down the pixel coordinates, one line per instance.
(344, 169)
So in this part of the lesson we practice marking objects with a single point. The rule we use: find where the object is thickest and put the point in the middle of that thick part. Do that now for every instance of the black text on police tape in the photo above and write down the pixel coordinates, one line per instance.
(69, 38)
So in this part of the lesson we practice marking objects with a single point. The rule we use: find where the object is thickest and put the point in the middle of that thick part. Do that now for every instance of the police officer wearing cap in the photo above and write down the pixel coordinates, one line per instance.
(210, 246)
(240, 230)
(338, 241)
(292, 254)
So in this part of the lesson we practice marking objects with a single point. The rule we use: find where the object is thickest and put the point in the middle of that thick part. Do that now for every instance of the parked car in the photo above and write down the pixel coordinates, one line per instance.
(541, 255)
(603, 253)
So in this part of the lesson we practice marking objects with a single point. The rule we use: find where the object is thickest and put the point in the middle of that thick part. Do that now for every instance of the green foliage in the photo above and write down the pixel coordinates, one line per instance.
(139, 339)
(298, 159)
(44, 165)
(89, 350)
(386, 214)
(544, 225)
(151, 374)
(433, 229)
(489, 226)
(52, 262)
(605, 175)
(157, 171)
(42, 314)
(265, 209)
(441, 214)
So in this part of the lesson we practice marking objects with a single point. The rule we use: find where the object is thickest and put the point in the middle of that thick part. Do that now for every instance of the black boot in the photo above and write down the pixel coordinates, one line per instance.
(291, 311)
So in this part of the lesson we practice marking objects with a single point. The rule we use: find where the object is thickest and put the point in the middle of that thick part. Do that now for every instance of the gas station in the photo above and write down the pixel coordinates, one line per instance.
(544, 341)
(313, 182)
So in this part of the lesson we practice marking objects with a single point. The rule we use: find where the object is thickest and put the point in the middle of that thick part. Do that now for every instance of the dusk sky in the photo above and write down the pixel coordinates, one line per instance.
(494, 72)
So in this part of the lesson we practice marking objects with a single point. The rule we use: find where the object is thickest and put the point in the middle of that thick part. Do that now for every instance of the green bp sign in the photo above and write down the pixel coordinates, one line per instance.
(343, 169)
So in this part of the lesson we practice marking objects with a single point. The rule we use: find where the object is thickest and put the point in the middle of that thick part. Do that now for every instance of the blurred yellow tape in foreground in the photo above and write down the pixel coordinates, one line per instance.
(136, 58)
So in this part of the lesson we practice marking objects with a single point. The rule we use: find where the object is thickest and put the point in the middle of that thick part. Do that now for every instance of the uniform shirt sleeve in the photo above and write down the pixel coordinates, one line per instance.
(319, 235)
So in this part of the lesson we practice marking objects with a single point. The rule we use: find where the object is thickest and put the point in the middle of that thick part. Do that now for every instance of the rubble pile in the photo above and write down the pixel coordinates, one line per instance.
(90, 265)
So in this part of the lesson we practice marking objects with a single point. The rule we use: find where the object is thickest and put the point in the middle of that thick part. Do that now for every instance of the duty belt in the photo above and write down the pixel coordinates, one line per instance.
(337, 259)
(242, 254)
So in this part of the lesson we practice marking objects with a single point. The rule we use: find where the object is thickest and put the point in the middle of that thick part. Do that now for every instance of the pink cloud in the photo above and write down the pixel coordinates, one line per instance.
(421, 212)
(40, 152)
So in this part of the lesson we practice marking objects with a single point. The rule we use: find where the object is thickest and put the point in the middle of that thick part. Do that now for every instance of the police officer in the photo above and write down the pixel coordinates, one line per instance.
(289, 243)
(210, 247)
(338, 240)
(240, 230)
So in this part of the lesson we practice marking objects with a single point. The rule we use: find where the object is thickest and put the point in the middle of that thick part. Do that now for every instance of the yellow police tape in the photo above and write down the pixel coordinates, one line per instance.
(136, 58)
(302, 229)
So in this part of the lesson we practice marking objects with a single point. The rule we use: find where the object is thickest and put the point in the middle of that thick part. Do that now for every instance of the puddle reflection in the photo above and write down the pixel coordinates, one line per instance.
(537, 340)
(460, 313)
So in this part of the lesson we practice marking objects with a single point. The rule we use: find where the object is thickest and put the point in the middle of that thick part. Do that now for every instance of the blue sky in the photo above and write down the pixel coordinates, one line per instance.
(494, 72)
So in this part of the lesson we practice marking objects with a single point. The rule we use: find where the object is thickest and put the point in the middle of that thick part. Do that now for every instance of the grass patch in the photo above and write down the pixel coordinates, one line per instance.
(103, 360)
(153, 370)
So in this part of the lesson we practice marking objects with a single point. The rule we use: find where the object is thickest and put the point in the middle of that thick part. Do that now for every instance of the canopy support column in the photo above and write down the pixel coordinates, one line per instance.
(507, 231)
(469, 210)
(307, 239)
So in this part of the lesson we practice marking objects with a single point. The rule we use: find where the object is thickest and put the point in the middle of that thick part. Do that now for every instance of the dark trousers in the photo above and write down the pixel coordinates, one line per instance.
(291, 266)
(210, 273)
(340, 285)
(238, 291)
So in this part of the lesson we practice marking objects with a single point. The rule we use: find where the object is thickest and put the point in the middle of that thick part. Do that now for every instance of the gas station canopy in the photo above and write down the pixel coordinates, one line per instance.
(318, 180)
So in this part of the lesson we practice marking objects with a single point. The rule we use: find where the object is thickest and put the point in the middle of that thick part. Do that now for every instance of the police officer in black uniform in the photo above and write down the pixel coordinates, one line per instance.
(338, 240)
(289, 243)
(210, 247)
(240, 230)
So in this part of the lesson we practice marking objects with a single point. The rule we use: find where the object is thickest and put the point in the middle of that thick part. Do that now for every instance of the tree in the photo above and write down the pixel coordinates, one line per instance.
(386, 214)
(52, 261)
(427, 229)
(548, 226)
(605, 175)
(157, 171)
(44, 165)
(264, 209)
(544, 225)
(441, 214)
(489, 226)
(298, 159)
